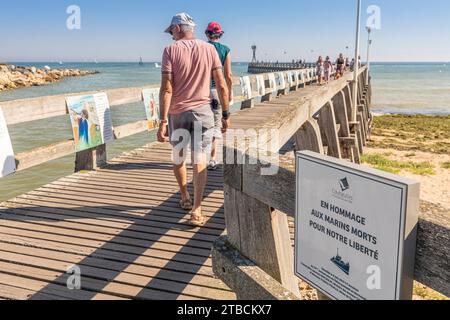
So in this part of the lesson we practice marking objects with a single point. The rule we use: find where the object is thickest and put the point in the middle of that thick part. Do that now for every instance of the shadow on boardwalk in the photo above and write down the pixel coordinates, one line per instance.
(129, 241)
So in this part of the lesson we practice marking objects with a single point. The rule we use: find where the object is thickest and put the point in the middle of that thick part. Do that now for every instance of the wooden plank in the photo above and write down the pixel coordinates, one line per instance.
(149, 220)
(117, 266)
(33, 289)
(100, 278)
(81, 220)
(108, 255)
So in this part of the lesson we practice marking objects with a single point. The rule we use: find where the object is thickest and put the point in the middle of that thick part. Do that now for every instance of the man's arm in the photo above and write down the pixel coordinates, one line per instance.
(224, 97)
(229, 76)
(165, 98)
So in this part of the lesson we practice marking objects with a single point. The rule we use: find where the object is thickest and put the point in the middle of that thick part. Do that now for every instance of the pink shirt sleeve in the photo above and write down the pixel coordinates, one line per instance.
(166, 62)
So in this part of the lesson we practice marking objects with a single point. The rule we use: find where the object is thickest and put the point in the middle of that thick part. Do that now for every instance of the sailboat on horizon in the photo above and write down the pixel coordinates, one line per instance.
(141, 63)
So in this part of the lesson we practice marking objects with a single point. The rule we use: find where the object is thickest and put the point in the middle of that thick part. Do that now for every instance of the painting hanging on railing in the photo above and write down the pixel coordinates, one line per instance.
(90, 116)
(151, 98)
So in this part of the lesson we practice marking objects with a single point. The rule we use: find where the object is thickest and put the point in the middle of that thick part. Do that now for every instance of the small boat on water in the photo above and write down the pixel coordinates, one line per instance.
(141, 63)
(157, 66)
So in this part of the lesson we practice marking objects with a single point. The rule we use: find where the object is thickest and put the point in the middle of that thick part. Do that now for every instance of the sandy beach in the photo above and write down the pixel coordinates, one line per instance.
(417, 147)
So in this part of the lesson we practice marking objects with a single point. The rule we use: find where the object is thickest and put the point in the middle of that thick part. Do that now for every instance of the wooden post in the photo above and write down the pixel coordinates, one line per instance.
(90, 159)
(248, 104)
(308, 137)
(261, 234)
(327, 123)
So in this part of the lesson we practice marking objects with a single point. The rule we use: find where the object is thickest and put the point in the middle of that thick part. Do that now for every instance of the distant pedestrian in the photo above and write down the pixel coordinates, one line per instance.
(328, 67)
(320, 70)
(352, 65)
(214, 33)
(340, 66)
(185, 105)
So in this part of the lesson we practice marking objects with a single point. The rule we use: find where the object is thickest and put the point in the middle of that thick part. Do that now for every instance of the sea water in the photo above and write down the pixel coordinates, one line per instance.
(397, 88)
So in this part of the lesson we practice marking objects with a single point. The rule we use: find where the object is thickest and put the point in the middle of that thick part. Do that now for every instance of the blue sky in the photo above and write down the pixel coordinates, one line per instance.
(411, 30)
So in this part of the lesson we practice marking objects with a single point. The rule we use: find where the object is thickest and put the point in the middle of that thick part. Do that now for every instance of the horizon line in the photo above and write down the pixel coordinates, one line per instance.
(156, 61)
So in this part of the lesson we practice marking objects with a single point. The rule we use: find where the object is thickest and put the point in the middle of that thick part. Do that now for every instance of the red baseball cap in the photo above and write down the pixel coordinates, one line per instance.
(214, 28)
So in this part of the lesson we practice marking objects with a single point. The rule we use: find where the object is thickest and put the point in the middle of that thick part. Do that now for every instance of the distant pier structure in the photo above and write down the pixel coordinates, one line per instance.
(264, 67)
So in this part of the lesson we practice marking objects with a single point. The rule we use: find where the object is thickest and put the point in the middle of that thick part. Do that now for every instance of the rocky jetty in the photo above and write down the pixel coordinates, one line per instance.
(12, 77)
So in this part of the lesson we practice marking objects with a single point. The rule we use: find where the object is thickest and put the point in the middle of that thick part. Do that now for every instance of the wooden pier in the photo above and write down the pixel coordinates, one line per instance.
(118, 222)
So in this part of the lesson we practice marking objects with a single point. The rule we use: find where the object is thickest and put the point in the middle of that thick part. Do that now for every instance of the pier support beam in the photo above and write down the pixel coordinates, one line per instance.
(309, 138)
(261, 234)
(327, 123)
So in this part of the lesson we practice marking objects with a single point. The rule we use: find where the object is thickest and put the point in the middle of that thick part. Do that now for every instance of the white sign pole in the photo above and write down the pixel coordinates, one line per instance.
(356, 66)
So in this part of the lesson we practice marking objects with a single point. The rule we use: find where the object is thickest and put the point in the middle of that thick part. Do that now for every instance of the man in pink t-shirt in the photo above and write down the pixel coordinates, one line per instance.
(185, 106)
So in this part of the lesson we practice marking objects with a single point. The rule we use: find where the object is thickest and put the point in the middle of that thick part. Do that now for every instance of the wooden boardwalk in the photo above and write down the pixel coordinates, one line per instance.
(121, 225)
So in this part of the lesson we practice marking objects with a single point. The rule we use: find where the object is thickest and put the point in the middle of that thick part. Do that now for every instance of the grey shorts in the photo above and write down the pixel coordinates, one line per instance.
(195, 127)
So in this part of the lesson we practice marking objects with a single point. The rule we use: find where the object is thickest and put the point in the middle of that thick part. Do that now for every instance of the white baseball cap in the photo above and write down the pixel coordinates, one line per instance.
(181, 19)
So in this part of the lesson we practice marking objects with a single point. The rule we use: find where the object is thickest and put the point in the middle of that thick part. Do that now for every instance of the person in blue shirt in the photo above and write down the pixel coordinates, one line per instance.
(83, 127)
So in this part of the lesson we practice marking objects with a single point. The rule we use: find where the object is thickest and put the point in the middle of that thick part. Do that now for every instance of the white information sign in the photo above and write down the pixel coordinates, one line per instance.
(281, 83)
(355, 229)
(273, 82)
(246, 88)
(290, 75)
(7, 159)
(260, 85)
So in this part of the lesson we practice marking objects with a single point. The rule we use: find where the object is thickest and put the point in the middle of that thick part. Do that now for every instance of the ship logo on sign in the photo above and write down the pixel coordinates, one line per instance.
(337, 260)
(344, 184)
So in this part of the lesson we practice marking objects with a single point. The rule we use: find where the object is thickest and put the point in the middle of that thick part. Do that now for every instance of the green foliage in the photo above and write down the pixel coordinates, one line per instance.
(380, 162)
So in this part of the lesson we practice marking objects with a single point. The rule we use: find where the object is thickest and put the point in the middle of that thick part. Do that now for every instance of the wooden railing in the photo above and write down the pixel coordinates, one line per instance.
(256, 257)
(33, 109)
(264, 67)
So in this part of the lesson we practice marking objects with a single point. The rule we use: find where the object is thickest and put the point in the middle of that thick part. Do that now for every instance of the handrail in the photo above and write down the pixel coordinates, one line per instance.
(25, 110)
(32, 109)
